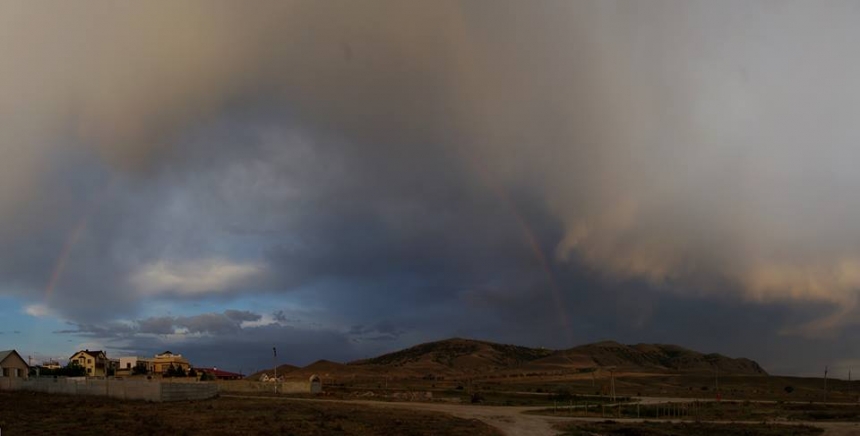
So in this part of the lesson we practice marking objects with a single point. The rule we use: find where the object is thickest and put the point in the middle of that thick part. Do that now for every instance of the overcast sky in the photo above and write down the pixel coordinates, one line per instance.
(340, 179)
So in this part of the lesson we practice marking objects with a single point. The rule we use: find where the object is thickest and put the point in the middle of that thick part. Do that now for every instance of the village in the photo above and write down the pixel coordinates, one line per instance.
(166, 376)
(96, 363)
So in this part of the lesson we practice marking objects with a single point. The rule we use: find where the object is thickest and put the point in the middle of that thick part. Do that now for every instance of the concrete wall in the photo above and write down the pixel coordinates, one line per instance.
(150, 390)
(286, 387)
(187, 391)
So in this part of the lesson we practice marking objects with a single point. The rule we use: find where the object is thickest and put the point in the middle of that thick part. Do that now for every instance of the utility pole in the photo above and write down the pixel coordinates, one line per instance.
(825, 384)
(717, 381)
(612, 384)
(275, 360)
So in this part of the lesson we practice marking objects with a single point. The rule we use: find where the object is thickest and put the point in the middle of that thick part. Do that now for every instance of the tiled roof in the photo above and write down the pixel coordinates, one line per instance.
(91, 353)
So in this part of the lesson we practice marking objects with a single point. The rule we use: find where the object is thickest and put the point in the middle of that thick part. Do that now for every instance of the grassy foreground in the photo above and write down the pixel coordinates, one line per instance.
(612, 428)
(44, 414)
(714, 411)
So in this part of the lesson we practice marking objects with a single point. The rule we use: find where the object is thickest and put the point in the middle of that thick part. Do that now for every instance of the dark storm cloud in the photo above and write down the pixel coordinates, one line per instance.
(216, 339)
(227, 322)
(157, 325)
(406, 162)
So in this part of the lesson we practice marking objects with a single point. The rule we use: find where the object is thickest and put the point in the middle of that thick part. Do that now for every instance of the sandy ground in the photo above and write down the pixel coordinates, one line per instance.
(513, 422)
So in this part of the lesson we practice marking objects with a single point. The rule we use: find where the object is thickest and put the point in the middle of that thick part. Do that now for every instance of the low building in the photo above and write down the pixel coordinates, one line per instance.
(94, 362)
(218, 374)
(166, 360)
(51, 364)
(13, 365)
(135, 366)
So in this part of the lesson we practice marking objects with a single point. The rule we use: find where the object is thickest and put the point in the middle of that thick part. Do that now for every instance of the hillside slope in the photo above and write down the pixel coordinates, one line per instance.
(660, 357)
(467, 357)
(456, 354)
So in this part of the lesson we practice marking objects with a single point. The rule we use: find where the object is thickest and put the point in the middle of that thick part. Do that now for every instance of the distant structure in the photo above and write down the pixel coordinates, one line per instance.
(133, 365)
(51, 364)
(95, 363)
(12, 365)
(265, 378)
(219, 374)
(164, 361)
(158, 365)
(313, 384)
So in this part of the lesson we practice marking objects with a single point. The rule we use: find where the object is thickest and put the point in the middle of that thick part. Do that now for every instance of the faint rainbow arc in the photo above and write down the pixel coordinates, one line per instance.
(466, 60)
(72, 239)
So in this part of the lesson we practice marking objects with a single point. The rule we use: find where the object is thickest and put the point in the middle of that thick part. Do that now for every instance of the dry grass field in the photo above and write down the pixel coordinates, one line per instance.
(612, 428)
(42, 414)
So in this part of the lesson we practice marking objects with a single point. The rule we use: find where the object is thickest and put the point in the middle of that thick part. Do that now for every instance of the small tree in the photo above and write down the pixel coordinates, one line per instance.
(73, 369)
(139, 369)
(192, 373)
(179, 372)
(789, 389)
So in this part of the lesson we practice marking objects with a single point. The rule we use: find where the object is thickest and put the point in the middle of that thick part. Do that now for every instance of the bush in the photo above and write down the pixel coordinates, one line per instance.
(139, 369)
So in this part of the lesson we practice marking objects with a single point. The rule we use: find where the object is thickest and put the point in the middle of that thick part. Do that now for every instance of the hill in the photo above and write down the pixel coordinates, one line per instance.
(282, 370)
(468, 357)
(662, 357)
(456, 355)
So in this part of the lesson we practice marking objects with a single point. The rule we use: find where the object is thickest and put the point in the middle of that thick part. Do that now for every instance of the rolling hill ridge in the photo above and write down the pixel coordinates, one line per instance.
(464, 357)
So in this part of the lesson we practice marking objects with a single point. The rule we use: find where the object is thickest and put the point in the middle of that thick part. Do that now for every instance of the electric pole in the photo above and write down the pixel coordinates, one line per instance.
(612, 384)
(717, 381)
(825, 384)
(275, 359)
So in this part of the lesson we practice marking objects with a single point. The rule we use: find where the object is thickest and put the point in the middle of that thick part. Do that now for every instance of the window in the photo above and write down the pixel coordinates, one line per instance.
(128, 365)
(6, 372)
(89, 361)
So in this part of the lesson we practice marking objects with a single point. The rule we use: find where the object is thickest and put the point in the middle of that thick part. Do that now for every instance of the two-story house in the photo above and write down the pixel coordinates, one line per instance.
(94, 362)
(163, 362)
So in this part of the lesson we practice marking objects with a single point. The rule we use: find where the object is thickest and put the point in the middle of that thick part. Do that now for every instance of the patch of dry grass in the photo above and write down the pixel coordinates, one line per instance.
(613, 428)
(44, 414)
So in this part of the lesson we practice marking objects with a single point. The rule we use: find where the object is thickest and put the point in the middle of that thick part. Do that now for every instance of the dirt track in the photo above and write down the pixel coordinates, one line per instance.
(513, 422)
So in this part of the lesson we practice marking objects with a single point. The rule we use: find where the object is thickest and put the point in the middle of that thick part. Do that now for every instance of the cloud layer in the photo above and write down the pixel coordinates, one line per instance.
(378, 156)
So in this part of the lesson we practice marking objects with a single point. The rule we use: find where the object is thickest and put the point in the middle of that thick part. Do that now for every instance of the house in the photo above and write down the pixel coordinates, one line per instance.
(94, 362)
(13, 365)
(51, 364)
(164, 361)
(135, 366)
(218, 374)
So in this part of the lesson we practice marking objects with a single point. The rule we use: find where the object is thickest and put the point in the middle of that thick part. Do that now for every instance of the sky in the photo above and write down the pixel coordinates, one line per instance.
(340, 179)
